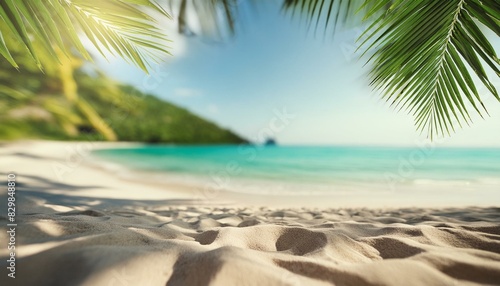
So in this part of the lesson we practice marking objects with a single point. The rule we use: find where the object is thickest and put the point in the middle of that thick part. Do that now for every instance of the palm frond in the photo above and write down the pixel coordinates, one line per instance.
(325, 14)
(423, 52)
(216, 18)
(121, 27)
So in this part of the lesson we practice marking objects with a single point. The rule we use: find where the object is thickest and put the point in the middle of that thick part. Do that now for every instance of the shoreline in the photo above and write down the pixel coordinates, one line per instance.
(73, 164)
(94, 228)
(270, 193)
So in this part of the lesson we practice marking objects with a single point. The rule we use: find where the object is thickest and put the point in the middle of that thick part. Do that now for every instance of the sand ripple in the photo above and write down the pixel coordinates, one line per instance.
(200, 245)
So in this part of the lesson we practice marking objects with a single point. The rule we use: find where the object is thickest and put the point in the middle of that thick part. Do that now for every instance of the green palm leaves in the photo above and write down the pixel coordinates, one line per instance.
(216, 18)
(425, 55)
(328, 13)
(118, 26)
(49, 32)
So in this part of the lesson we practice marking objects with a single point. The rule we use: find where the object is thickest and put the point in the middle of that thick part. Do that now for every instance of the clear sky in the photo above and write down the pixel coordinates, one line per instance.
(273, 64)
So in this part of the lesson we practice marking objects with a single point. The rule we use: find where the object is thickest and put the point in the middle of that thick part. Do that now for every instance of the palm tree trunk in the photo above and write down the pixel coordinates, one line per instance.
(70, 91)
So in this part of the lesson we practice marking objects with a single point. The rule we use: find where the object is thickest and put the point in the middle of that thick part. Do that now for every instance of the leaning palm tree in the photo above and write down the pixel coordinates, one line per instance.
(424, 54)
(51, 31)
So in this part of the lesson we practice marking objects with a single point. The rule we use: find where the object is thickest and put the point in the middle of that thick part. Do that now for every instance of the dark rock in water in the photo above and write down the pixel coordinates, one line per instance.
(270, 142)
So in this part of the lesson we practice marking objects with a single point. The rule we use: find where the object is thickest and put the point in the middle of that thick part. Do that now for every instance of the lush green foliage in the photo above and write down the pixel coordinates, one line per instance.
(65, 103)
(425, 55)
(139, 117)
(32, 106)
(120, 27)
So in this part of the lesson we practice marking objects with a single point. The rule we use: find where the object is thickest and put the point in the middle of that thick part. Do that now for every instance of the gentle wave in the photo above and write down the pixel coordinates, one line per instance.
(291, 170)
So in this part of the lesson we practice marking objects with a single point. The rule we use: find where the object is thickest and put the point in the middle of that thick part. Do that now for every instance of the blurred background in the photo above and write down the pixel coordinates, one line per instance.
(233, 67)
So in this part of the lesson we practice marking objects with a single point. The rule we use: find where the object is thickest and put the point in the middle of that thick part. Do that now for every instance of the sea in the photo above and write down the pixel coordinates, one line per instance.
(314, 170)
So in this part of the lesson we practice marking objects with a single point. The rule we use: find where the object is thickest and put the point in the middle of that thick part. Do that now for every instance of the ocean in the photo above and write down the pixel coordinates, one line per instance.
(309, 170)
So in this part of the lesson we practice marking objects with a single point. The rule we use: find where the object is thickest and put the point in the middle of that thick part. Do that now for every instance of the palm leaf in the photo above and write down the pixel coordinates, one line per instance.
(328, 14)
(216, 18)
(423, 52)
(120, 27)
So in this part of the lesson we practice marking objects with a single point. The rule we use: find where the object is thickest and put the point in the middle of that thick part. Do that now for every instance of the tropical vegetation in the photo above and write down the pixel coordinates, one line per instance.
(426, 56)
(34, 106)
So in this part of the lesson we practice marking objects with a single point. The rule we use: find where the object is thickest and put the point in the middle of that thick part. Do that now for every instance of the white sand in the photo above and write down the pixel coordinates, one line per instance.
(81, 225)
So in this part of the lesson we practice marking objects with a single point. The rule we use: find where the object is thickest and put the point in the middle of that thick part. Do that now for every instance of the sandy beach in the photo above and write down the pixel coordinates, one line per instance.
(81, 222)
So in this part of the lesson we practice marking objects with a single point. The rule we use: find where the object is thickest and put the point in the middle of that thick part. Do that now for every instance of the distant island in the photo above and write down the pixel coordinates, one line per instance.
(270, 142)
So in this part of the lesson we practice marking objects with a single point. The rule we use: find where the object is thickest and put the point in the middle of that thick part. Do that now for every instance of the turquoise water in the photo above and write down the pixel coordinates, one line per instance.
(319, 166)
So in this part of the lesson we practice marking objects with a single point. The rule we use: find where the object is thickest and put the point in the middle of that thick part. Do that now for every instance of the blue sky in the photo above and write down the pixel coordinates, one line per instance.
(274, 64)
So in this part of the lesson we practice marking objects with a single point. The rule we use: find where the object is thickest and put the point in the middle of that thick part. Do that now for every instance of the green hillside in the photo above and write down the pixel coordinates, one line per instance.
(133, 116)
(75, 105)
(139, 117)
